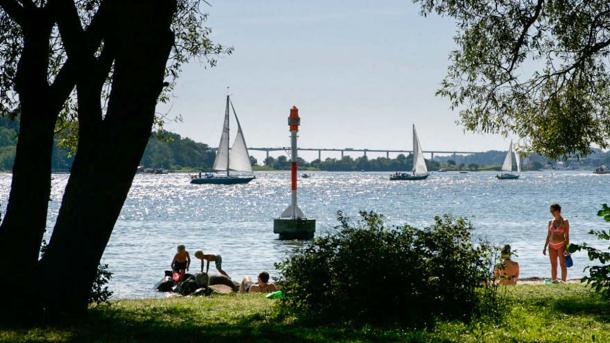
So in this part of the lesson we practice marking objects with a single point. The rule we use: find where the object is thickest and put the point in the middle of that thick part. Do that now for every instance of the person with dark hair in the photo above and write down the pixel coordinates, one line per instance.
(507, 272)
(262, 286)
(557, 240)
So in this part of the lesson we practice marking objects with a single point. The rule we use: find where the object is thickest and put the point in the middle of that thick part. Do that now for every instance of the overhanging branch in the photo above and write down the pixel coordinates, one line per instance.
(14, 10)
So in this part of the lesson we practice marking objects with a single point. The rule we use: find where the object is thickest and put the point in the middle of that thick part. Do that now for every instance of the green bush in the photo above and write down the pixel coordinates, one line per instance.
(367, 273)
(599, 275)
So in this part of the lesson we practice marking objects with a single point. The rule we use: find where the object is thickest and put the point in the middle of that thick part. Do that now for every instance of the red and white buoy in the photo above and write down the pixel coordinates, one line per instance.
(293, 224)
(293, 211)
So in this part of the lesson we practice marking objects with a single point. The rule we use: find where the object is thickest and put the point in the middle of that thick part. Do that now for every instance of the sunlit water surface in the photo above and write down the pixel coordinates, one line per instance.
(163, 211)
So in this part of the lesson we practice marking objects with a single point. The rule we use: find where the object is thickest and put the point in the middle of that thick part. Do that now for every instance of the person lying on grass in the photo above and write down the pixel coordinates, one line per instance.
(262, 286)
(217, 259)
(507, 272)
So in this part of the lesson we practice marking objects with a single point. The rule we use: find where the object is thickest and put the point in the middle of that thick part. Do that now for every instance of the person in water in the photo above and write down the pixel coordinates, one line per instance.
(557, 240)
(181, 261)
(217, 259)
(507, 273)
(262, 286)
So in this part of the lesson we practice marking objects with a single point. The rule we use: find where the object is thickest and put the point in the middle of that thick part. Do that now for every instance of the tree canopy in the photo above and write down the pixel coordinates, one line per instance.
(535, 68)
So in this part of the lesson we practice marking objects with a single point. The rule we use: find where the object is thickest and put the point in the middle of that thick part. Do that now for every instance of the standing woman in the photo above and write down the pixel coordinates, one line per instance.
(557, 240)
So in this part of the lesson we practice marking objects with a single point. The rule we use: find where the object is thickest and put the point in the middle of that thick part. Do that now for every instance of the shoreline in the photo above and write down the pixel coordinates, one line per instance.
(527, 281)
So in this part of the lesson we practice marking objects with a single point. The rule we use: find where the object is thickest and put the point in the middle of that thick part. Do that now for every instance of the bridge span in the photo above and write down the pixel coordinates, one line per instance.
(364, 151)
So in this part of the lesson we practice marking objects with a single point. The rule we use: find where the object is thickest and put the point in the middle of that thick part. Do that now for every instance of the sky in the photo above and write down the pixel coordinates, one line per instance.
(360, 72)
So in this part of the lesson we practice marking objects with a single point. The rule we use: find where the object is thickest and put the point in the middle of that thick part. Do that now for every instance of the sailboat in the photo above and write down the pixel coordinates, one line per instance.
(228, 159)
(507, 166)
(420, 171)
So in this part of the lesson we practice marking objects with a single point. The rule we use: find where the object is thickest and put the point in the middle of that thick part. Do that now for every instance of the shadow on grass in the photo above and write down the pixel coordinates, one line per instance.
(112, 325)
(590, 305)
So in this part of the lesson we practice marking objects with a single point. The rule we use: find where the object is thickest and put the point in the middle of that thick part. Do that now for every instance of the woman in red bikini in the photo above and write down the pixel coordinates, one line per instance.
(557, 239)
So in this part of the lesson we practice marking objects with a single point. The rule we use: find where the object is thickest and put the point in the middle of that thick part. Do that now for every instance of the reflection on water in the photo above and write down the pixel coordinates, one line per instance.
(163, 211)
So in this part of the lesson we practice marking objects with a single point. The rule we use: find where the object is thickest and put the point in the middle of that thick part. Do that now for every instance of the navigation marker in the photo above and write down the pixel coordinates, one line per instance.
(292, 223)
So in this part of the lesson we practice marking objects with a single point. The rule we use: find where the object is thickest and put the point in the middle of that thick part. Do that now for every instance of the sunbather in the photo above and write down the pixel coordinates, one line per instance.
(262, 286)
(507, 272)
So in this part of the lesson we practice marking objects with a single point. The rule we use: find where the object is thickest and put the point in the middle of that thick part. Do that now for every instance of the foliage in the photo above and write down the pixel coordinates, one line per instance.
(599, 275)
(368, 273)
(165, 150)
(168, 150)
(100, 294)
(192, 41)
(534, 68)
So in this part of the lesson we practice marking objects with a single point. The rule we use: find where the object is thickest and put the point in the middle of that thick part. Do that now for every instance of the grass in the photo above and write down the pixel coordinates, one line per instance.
(536, 313)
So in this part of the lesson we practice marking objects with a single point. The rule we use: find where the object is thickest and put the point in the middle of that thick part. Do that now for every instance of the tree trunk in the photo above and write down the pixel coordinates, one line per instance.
(26, 214)
(103, 172)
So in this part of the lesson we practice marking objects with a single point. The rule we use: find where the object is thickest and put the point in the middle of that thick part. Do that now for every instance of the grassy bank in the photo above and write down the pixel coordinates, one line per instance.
(551, 313)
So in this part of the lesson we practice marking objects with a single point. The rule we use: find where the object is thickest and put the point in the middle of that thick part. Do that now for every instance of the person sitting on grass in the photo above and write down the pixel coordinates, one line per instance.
(181, 262)
(507, 273)
(262, 286)
(217, 259)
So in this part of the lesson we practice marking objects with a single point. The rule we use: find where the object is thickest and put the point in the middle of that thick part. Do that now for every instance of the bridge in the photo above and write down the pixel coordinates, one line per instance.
(364, 151)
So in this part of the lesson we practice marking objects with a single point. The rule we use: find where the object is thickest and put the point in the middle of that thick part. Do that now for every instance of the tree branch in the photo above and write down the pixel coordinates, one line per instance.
(521, 39)
(66, 78)
(14, 10)
(70, 28)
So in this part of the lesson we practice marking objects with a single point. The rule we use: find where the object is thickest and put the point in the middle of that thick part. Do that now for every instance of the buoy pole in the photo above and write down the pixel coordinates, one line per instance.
(294, 121)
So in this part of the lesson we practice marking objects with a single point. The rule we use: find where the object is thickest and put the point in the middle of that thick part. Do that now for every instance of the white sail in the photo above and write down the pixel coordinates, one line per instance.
(518, 162)
(239, 157)
(507, 166)
(222, 154)
(419, 163)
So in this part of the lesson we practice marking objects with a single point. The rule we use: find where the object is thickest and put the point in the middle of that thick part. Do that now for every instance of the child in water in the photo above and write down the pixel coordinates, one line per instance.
(181, 261)
(217, 259)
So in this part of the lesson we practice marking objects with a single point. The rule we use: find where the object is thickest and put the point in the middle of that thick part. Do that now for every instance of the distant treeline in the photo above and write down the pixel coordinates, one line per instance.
(347, 163)
(489, 160)
(165, 150)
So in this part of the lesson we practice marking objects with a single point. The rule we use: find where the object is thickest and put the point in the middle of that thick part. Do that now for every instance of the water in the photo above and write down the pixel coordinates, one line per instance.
(163, 211)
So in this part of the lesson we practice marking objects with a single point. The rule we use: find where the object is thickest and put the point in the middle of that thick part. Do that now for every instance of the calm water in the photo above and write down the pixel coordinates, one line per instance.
(163, 211)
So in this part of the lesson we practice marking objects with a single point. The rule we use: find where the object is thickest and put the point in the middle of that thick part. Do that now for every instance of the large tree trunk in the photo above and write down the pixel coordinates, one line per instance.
(26, 215)
(104, 169)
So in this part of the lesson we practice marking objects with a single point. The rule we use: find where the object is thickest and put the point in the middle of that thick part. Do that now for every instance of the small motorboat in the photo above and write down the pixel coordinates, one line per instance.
(305, 176)
(407, 177)
(602, 170)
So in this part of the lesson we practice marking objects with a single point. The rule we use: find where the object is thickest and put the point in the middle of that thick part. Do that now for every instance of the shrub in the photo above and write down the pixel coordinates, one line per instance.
(367, 273)
(100, 294)
(599, 275)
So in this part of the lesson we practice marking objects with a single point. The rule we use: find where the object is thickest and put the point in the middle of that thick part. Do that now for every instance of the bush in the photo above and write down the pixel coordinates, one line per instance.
(100, 294)
(599, 275)
(367, 273)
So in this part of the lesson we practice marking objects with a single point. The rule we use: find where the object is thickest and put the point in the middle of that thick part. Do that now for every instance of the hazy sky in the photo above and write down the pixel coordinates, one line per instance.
(361, 72)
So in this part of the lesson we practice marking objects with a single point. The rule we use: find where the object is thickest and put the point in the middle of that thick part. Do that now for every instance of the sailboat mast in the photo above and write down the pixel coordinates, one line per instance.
(228, 132)
(415, 150)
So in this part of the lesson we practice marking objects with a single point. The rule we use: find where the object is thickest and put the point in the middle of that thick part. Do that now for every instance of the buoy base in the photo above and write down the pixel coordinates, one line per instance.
(294, 228)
